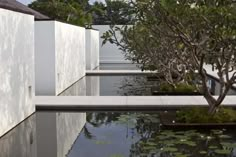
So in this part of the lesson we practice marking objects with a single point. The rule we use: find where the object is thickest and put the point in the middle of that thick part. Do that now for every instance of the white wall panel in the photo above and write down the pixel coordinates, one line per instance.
(92, 49)
(70, 55)
(60, 56)
(16, 68)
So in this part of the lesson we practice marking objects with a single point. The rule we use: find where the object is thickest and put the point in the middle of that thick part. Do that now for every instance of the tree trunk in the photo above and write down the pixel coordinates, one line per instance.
(213, 104)
(212, 109)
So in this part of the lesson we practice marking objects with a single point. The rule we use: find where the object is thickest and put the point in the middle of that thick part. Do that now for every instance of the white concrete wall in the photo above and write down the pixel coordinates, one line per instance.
(16, 68)
(45, 58)
(78, 88)
(92, 49)
(60, 56)
(70, 55)
(109, 53)
(93, 86)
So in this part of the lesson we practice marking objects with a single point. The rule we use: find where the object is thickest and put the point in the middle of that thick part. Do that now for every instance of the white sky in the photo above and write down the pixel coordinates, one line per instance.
(29, 1)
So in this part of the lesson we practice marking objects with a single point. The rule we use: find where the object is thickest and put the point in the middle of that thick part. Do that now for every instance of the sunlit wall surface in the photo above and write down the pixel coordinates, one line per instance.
(60, 56)
(16, 68)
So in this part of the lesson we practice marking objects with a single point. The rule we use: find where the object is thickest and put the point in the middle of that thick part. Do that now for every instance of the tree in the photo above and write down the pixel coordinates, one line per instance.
(112, 12)
(71, 11)
(179, 38)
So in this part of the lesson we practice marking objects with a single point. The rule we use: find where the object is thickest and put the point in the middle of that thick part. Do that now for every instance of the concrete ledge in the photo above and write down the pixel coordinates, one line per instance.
(118, 72)
(123, 103)
(114, 61)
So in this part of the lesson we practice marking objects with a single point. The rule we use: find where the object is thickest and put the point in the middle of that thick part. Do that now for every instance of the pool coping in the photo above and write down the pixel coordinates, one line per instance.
(118, 72)
(123, 103)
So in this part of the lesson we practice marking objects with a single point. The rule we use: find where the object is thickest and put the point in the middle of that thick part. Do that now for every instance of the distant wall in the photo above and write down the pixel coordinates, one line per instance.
(60, 56)
(109, 53)
(16, 68)
(92, 49)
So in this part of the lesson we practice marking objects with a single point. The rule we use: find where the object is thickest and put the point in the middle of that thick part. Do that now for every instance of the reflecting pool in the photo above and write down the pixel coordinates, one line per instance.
(124, 85)
(113, 134)
(142, 135)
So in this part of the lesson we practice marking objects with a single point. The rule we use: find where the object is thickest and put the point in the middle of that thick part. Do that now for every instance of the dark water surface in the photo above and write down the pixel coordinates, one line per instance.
(128, 85)
(141, 135)
(112, 134)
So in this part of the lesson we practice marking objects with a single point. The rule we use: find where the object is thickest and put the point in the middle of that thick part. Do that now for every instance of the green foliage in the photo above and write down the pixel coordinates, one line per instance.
(223, 151)
(183, 87)
(176, 38)
(112, 13)
(165, 87)
(71, 11)
(200, 115)
(180, 87)
(187, 144)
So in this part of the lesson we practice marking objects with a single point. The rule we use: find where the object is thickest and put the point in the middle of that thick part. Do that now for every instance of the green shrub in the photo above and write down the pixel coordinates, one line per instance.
(165, 87)
(200, 115)
(181, 87)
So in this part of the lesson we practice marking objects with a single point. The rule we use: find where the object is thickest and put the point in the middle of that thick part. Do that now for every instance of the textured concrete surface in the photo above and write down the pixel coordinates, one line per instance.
(60, 56)
(70, 55)
(16, 68)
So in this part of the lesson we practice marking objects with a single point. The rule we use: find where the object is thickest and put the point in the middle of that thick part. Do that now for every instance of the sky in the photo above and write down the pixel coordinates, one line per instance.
(29, 1)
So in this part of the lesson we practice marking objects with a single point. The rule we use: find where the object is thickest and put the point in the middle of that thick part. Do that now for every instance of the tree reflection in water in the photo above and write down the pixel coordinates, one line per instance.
(137, 85)
(154, 141)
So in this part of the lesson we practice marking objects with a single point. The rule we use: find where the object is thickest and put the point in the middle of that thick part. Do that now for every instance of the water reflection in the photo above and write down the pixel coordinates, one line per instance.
(21, 141)
(44, 134)
(141, 135)
(56, 132)
(128, 85)
(111, 134)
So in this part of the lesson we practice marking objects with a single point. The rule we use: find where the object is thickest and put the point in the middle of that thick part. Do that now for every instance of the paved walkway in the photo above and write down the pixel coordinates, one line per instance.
(122, 102)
